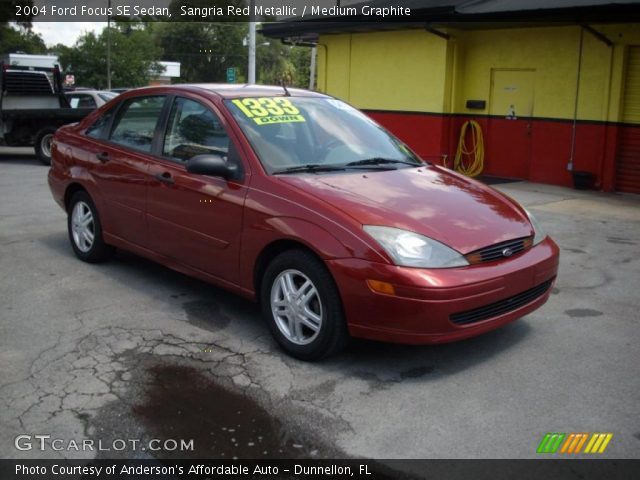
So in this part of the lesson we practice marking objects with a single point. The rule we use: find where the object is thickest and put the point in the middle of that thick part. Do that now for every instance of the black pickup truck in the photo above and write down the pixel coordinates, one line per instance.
(32, 107)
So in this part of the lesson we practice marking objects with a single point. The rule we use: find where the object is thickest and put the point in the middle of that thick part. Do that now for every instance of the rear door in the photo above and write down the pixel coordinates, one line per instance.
(196, 219)
(121, 154)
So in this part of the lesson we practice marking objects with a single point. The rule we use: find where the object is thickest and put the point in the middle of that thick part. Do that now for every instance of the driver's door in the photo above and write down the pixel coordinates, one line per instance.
(196, 219)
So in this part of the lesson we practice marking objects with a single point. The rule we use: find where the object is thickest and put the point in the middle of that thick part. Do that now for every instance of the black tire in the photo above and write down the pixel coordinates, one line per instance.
(97, 251)
(43, 144)
(332, 335)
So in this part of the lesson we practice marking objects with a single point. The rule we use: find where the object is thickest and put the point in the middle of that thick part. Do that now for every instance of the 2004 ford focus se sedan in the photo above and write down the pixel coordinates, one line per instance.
(302, 202)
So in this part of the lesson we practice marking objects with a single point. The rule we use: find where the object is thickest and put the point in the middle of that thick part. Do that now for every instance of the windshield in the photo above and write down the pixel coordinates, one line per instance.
(302, 134)
(106, 96)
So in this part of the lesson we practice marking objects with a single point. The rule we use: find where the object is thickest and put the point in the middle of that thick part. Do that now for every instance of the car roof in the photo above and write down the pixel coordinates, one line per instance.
(235, 90)
(89, 90)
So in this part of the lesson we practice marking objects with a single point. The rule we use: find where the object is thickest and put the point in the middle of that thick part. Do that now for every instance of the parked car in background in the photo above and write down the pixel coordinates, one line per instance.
(304, 203)
(89, 98)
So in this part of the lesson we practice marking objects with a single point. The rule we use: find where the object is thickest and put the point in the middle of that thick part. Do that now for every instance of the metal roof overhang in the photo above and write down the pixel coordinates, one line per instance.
(307, 31)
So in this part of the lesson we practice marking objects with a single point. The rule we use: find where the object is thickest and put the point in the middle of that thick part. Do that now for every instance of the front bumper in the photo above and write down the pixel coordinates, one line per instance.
(421, 311)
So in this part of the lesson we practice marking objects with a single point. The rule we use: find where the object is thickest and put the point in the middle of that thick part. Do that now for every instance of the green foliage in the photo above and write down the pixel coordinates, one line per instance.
(8, 12)
(277, 62)
(204, 50)
(301, 59)
(20, 40)
(134, 57)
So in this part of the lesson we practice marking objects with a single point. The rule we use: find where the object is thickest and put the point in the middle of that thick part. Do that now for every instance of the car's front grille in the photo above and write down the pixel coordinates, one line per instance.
(503, 306)
(499, 250)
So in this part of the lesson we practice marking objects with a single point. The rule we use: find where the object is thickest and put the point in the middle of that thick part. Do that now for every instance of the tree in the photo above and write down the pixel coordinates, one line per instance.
(272, 62)
(301, 60)
(204, 50)
(9, 10)
(20, 39)
(134, 57)
(277, 62)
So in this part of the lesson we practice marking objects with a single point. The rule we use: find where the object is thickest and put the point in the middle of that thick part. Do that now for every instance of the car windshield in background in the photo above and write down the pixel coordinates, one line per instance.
(106, 96)
(302, 134)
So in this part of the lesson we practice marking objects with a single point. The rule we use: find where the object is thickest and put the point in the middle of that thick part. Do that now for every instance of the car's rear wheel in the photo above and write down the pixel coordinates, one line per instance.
(85, 230)
(44, 140)
(302, 306)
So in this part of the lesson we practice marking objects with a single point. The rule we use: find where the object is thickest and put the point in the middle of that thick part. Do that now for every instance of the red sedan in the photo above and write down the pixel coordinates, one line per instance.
(302, 202)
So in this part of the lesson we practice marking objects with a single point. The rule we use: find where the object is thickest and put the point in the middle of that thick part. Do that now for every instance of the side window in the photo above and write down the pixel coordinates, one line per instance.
(86, 101)
(99, 127)
(193, 129)
(136, 122)
(73, 101)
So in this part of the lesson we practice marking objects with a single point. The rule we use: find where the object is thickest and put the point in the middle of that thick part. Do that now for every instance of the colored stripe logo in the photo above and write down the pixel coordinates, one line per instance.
(598, 443)
(572, 443)
(550, 442)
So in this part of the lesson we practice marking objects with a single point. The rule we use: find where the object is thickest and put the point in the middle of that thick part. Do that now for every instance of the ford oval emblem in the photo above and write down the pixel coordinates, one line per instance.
(507, 252)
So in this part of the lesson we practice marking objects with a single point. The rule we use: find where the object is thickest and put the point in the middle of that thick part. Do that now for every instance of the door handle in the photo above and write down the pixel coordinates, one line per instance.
(164, 177)
(102, 156)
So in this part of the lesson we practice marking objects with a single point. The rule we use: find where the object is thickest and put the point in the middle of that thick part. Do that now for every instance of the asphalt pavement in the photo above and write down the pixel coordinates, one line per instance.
(131, 350)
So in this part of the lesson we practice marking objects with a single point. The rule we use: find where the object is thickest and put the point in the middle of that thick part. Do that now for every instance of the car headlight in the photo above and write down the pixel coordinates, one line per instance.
(409, 249)
(538, 232)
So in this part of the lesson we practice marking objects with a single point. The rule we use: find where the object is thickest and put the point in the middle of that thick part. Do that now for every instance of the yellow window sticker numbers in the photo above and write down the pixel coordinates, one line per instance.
(266, 110)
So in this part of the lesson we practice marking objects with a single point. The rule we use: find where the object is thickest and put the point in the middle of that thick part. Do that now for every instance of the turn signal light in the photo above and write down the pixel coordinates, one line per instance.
(381, 287)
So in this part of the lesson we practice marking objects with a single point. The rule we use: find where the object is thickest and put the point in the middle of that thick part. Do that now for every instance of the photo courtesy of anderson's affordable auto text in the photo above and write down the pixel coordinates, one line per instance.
(287, 239)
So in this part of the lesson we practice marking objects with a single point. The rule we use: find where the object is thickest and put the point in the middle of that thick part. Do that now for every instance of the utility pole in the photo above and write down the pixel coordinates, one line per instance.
(252, 43)
(109, 46)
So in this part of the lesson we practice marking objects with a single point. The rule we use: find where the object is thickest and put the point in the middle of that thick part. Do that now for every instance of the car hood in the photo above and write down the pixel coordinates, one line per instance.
(461, 213)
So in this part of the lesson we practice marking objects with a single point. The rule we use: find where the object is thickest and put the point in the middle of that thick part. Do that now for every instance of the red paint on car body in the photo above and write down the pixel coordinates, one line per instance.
(219, 230)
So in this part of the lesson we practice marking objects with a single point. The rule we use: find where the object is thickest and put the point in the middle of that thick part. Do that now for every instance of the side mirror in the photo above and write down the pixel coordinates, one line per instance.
(212, 165)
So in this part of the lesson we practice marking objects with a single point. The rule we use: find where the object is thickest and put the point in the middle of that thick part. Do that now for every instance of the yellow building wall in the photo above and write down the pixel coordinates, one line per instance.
(398, 70)
(334, 65)
(414, 70)
(623, 36)
(553, 52)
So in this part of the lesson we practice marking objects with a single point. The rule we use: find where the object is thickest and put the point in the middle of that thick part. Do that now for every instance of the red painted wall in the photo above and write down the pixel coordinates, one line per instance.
(424, 133)
(537, 149)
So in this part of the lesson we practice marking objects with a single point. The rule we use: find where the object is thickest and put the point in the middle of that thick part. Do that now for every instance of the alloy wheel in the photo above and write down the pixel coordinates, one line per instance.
(296, 307)
(82, 226)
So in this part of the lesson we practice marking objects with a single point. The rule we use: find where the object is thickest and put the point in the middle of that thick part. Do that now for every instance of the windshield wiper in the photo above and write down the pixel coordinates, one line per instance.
(380, 161)
(311, 167)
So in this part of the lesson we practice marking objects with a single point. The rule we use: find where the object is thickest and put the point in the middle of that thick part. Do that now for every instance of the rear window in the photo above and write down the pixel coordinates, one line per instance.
(100, 126)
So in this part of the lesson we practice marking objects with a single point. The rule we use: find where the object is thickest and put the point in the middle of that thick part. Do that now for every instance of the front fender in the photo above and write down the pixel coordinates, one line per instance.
(258, 237)
(316, 238)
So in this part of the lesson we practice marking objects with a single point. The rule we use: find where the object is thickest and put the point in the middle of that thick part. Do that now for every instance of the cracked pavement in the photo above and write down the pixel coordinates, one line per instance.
(130, 349)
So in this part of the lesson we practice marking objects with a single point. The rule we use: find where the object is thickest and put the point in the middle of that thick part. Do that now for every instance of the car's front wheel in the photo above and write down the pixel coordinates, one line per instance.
(85, 230)
(302, 306)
